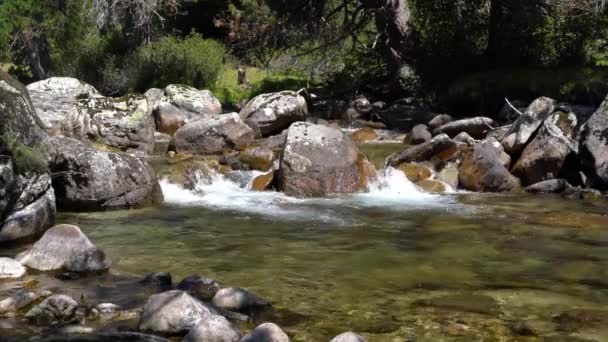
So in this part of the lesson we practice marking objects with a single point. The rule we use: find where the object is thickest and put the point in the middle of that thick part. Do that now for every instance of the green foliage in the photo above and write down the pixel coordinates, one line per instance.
(193, 61)
(26, 158)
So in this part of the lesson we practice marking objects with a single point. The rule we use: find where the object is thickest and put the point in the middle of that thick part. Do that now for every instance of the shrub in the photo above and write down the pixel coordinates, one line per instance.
(193, 61)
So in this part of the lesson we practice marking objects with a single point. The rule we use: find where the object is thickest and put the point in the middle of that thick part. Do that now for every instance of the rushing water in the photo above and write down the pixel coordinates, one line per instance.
(392, 264)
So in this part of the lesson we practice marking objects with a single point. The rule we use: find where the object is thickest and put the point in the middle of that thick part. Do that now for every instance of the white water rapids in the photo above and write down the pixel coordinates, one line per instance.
(392, 191)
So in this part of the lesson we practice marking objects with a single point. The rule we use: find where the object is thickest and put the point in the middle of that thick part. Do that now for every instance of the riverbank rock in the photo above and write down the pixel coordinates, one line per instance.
(201, 102)
(477, 127)
(237, 299)
(267, 332)
(526, 125)
(440, 148)
(593, 152)
(348, 337)
(173, 312)
(418, 135)
(9, 307)
(11, 269)
(213, 135)
(169, 118)
(483, 169)
(269, 114)
(199, 287)
(440, 120)
(27, 200)
(545, 155)
(319, 160)
(56, 98)
(549, 186)
(54, 309)
(65, 247)
(214, 329)
(89, 179)
(404, 114)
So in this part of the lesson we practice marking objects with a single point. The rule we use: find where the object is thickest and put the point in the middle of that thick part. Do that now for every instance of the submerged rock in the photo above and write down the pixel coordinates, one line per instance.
(213, 135)
(10, 306)
(88, 179)
(65, 247)
(106, 336)
(27, 200)
(440, 148)
(431, 185)
(55, 309)
(269, 114)
(10, 268)
(319, 160)
(483, 169)
(418, 135)
(464, 302)
(237, 299)
(545, 155)
(348, 337)
(267, 332)
(199, 287)
(214, 329)
(524, 128)
(173, 312)
(475, 127)
(159, 280)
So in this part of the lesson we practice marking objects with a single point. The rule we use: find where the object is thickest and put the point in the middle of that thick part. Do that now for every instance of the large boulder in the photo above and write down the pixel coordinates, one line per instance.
(545, 155)
(440, 148)
(526, 125)
(593, 147)
(89, 179)
(213, 329)
(213, 135)
(269, 114)
(65, 247)
(192, 100)
(404, 114)
(56, 98)
(475, 127)
(318, 161)
(173, 312)
(267, 332)
(27, 200)
(483, 169)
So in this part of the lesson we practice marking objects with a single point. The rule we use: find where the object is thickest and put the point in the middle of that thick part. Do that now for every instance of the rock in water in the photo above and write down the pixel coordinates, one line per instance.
(440, 120)
(348, 337)
(65, 247)
(418, 135)
(237, 299)
(483, 169)
(89, 179)
(214, 135)
(475, 127)
(593, 152)
(549, 186)
(173, 312)
(196, 101)
(545, 155)
(267, 332)
(440, 148)
(269, 114)
(524, 128)
(213, 329)
(258, 158)
(11, 305)
(319, 160)
(10, 268)
(27, 200)
(55, 309)
(199, 287)
(56, 98)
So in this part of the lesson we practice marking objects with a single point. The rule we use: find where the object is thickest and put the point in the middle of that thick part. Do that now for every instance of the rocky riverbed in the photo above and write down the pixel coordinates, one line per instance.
(296, 219)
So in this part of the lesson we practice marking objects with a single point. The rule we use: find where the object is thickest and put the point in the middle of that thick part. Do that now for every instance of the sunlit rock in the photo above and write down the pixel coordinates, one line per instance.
(269, 114)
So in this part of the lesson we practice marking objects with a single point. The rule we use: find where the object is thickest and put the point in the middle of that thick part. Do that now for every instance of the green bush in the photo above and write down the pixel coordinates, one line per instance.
(193, 61)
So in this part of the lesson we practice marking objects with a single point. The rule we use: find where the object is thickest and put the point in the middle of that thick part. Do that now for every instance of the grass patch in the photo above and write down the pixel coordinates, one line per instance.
(230, 93)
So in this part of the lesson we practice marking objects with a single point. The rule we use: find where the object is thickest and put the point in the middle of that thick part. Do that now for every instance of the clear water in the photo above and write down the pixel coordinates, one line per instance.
(392, 264)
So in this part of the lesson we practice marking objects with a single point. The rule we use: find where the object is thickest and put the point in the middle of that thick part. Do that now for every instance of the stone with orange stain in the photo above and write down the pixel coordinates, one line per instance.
(364, 134)
(415, 172)
(263, 182)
